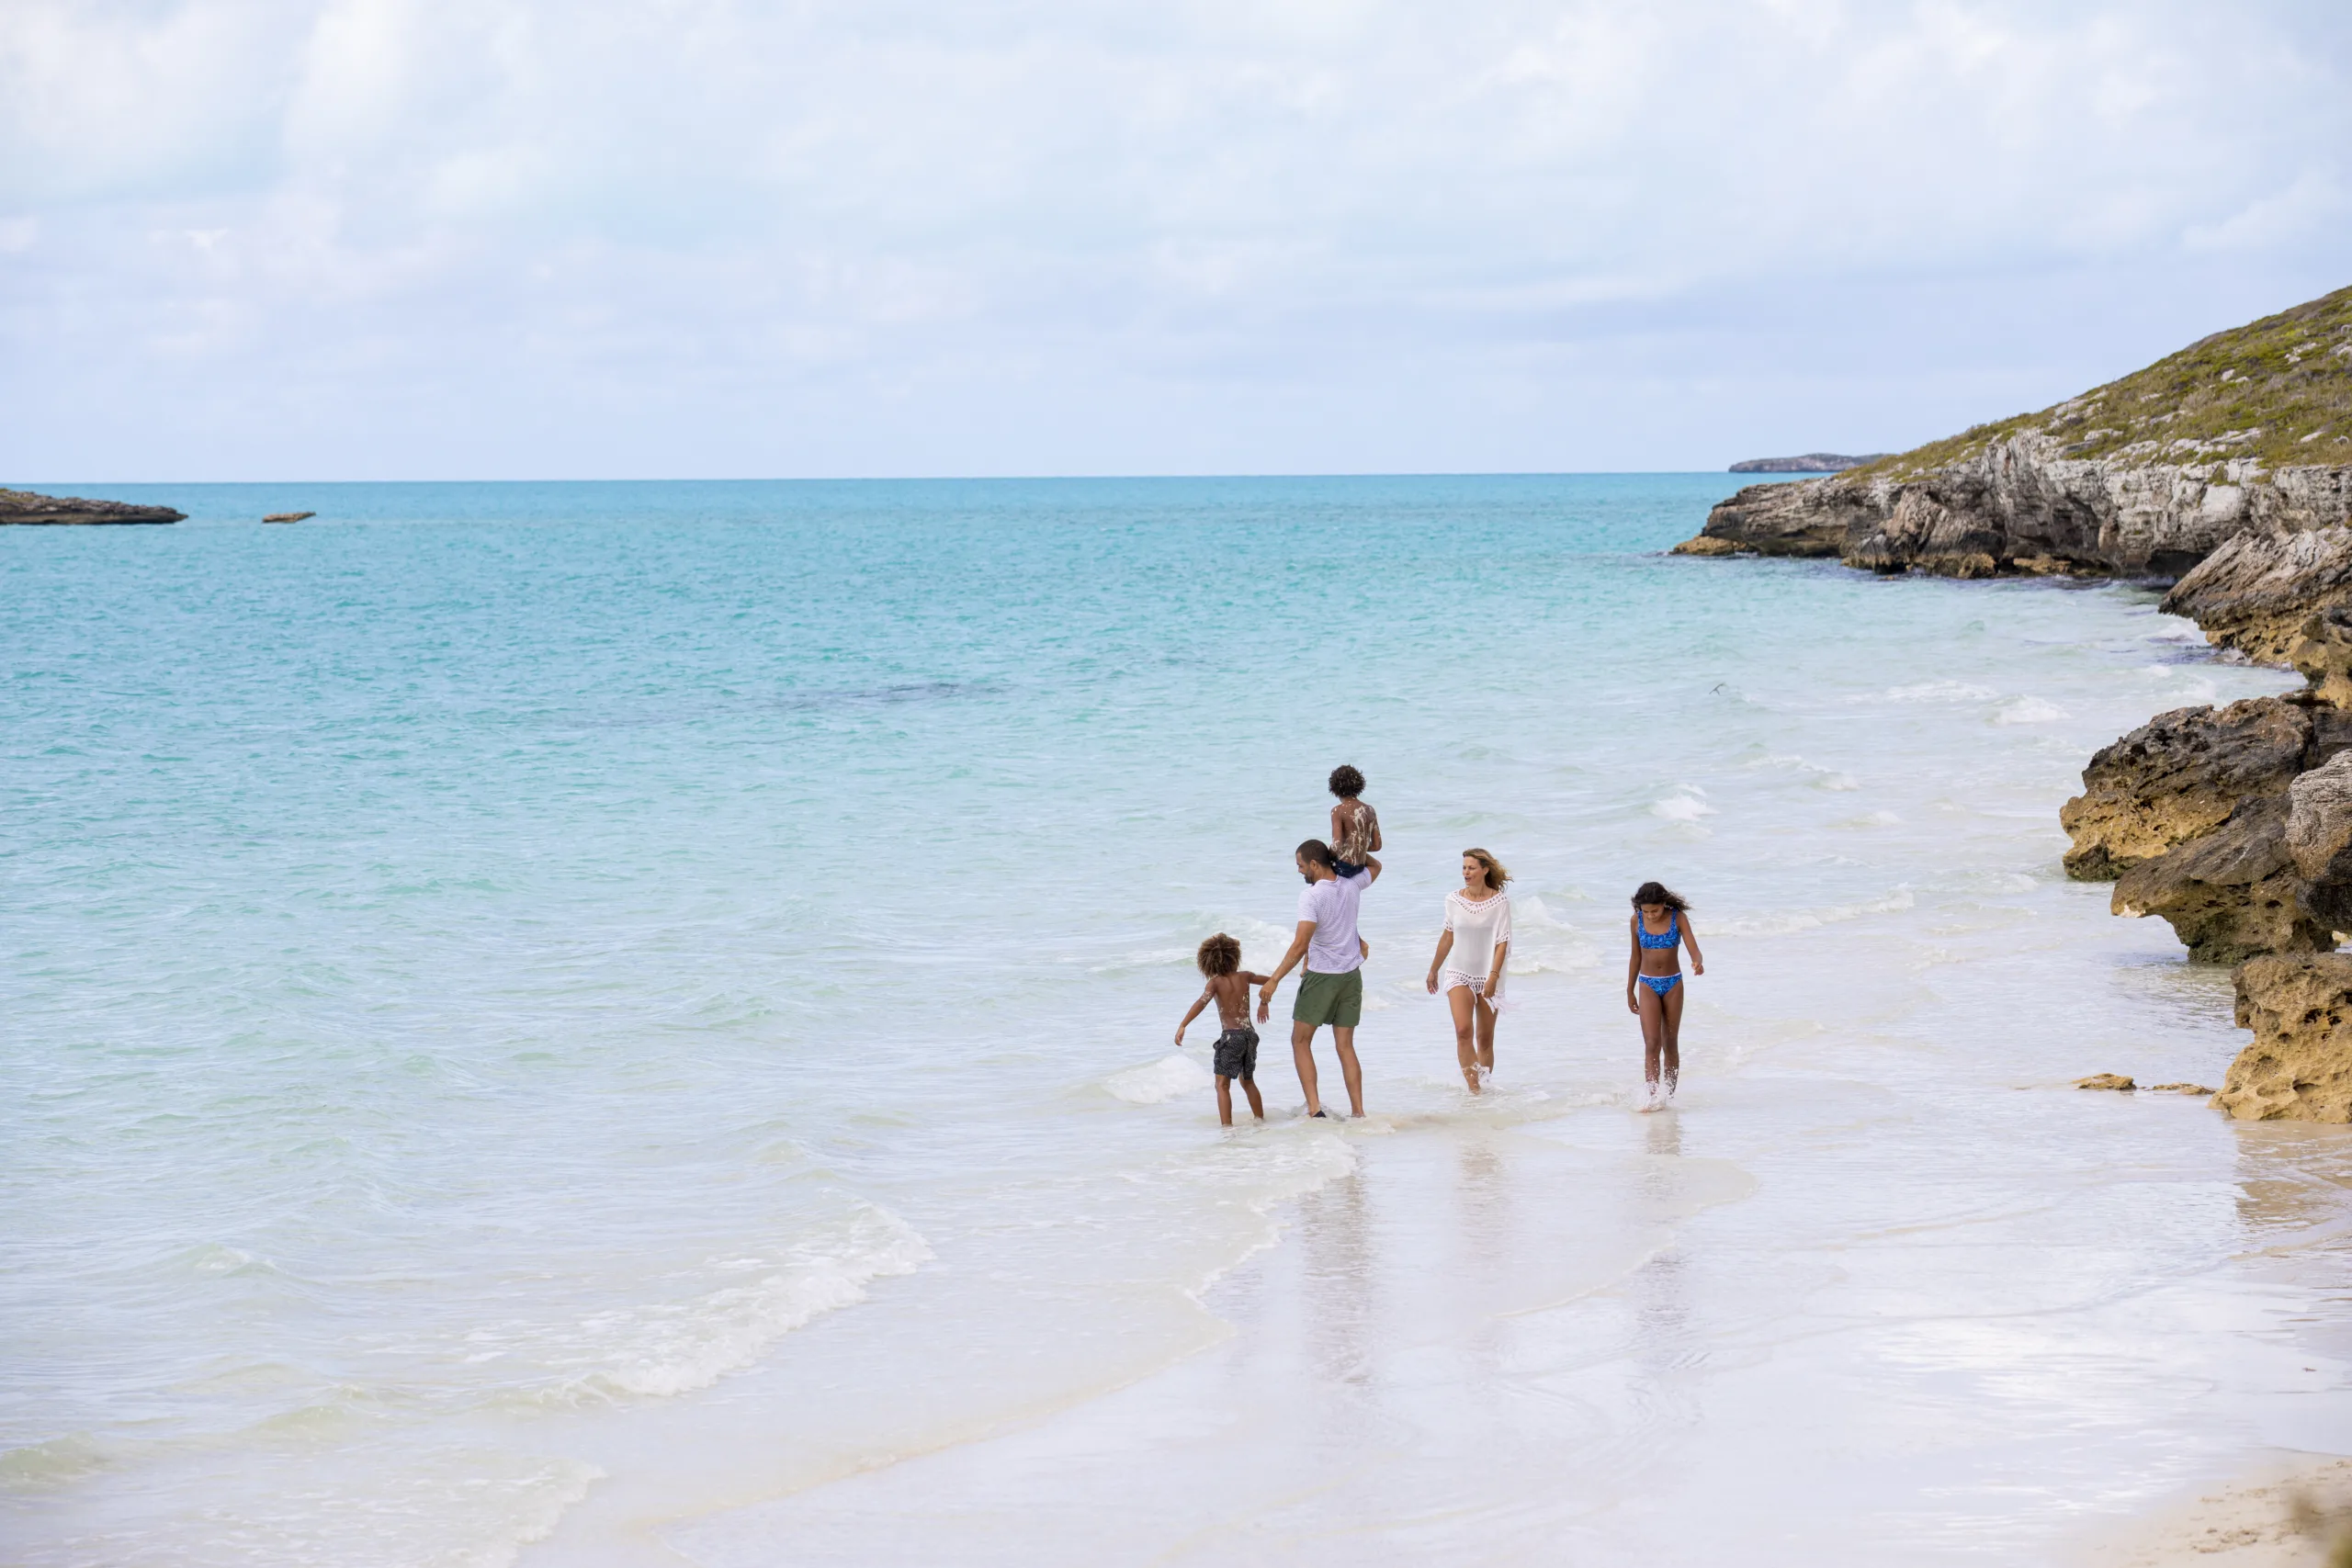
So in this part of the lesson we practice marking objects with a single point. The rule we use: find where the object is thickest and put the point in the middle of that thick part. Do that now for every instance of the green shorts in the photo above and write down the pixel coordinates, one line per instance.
(1335, 1000)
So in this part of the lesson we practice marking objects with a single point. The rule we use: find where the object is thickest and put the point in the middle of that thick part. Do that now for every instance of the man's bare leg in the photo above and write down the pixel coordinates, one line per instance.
(1257, 1106)
(1302, 1056)
(1345, 1039)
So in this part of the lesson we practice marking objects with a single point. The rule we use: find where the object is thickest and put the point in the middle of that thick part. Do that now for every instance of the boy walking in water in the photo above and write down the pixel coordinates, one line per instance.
(1331, 991)
(1237, 1047)
(1355, 827)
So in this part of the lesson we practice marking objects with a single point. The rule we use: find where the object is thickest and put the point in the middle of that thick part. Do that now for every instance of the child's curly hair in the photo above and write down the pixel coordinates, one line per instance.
(1660, 893)
(1221, 954)
(1345, 782)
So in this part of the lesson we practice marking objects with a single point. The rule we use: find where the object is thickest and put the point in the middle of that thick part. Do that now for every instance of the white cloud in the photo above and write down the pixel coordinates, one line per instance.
(718, 236)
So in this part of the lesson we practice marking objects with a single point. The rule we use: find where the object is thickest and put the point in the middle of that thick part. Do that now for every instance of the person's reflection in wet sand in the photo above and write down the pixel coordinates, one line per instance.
(1482, 1195)
(1333, 1228)
(1663, 1342)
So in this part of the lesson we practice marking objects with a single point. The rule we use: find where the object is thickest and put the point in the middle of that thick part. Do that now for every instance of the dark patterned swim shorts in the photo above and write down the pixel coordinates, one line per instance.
(1237, 1054)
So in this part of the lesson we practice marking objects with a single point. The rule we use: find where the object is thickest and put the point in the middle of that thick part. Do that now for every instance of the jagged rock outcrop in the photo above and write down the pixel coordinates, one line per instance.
(2248, 431)
(2321, 654)
(2318, 838)
(2232, 893)
(2257, 593)
(2226, 822)
(2180, 775)
(29, 507)
(2019, 503)
(2299, 1066)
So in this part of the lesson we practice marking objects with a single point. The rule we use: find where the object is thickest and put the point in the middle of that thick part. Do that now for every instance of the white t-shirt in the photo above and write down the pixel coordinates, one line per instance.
(1476, 929)
(1332, 907)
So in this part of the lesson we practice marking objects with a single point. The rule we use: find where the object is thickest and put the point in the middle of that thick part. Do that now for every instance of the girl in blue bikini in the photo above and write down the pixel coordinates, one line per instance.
(1654, 983)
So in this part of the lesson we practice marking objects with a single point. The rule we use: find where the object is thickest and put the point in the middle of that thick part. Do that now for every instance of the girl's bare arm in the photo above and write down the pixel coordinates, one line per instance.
(1633, 962)
(1690, 940)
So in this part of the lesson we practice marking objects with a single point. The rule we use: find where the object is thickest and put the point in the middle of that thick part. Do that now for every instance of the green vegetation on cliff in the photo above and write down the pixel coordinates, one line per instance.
(2278, 392)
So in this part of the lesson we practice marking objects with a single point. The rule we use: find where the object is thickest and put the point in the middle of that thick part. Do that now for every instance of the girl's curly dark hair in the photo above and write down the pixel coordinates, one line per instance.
(1221, 954)
(1660, 893)
(1345, 782)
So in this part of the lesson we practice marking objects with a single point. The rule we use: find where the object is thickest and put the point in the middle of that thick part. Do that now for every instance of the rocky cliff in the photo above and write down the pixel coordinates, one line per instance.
(2227, 466)
(2248, 431)
(24, 506)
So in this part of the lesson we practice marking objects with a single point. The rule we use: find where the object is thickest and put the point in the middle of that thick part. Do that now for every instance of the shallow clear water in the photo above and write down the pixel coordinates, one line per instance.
(614, 1023)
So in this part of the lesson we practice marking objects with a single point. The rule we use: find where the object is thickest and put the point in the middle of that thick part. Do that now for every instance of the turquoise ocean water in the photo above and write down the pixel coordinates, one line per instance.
(631, 1023)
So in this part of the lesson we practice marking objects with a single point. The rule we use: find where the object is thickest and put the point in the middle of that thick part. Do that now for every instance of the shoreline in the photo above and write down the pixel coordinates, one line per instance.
(2247, 1522)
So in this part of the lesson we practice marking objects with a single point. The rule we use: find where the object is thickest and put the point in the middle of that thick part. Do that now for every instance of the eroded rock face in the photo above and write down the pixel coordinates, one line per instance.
(2258, 592)
(2321, 654)
(2299, 1066)
(1799, 519)
(2022, 499)
(2177, 777)
(2229, 893)
(2319, 841)
(28, 506)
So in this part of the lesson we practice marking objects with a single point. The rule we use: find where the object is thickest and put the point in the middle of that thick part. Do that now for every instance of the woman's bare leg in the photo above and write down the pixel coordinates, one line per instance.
(1673, 1041)
(1486, 1036)
(1653, 1008)
(1465, 1048)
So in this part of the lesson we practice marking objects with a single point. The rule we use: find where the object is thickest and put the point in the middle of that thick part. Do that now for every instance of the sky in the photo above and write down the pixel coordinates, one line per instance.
(582, 239)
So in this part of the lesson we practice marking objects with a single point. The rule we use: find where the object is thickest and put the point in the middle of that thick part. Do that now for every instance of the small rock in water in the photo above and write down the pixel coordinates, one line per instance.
(2176, 1089)
(288, 517)
(2108, 1080)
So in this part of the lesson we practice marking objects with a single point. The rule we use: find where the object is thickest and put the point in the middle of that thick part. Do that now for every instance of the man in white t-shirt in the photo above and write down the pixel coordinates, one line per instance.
(1331, 989)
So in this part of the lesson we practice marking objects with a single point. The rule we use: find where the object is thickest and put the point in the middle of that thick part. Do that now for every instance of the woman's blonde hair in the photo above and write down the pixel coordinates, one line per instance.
(1496, 874)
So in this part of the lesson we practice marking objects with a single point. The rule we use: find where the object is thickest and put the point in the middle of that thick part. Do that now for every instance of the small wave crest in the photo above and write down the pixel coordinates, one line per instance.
(1784, 922)
(1170, 1078)
(2028, 710)
(1930, 692)
(1687, 804)
(1816, 773)
(660, 1348)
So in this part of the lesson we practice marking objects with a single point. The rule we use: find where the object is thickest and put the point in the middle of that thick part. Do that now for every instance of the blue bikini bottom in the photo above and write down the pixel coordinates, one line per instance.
(1661, 984)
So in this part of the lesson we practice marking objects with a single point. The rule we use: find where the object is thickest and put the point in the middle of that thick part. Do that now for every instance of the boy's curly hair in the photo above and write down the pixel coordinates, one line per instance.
(1221, 954)
(1345, 782)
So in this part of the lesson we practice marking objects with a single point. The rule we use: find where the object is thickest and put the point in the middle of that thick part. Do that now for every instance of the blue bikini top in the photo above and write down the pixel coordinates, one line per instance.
(1673, 930)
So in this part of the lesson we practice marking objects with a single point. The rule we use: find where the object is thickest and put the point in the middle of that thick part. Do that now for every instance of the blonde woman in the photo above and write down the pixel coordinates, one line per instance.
(1469, 964)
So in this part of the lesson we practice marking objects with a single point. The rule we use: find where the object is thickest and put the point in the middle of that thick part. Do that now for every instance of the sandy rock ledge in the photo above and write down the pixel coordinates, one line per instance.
(2299, 1066)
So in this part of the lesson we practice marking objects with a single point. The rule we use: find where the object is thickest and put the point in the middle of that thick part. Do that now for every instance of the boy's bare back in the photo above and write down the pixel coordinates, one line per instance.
(1232, 994)
(1355, 830)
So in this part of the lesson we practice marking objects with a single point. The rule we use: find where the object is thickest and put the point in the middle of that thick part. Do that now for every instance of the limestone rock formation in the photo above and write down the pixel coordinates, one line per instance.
(2179, 776)
(2257, 592)
(2318, 838)
(2232, 893)
(2248, 431)
(2321, 654)
(26, 507)
(2299, 1066)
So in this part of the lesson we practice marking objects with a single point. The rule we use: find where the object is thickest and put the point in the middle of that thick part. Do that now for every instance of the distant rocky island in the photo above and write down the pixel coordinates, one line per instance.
(2227, 468)
(1811, 463)
(28, 507)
